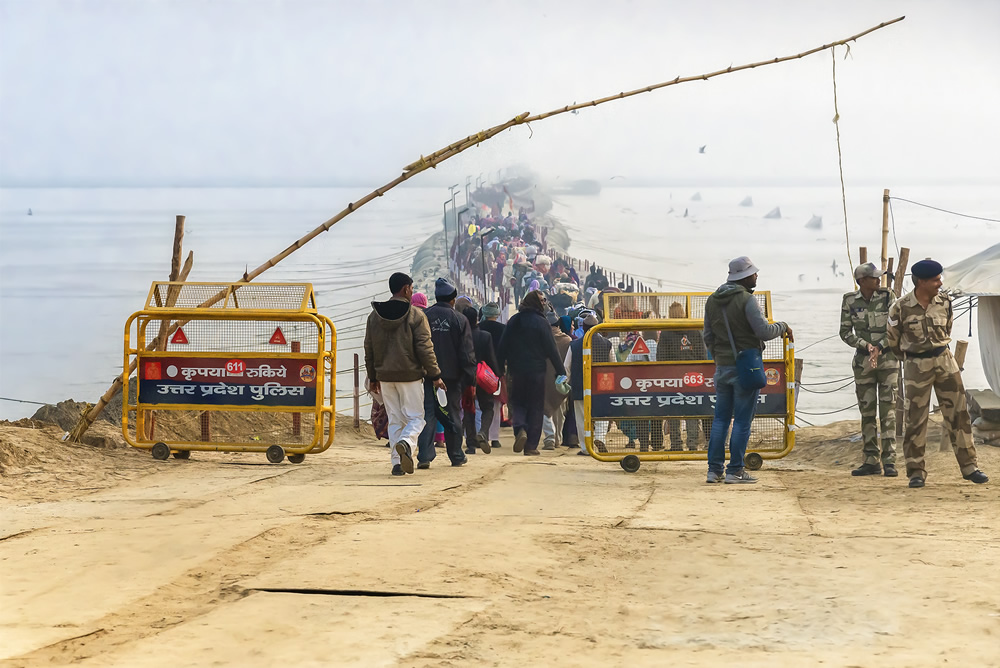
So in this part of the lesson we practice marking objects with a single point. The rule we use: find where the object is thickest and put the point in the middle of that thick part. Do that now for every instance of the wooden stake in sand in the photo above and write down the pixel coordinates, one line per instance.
(453, 149)
(885, 236)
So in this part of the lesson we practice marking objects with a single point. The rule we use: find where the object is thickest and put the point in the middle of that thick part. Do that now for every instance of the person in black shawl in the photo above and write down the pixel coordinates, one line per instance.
(526, 345)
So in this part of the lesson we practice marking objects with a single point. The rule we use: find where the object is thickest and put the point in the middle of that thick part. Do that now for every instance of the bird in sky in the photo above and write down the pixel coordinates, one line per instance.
(701, 149)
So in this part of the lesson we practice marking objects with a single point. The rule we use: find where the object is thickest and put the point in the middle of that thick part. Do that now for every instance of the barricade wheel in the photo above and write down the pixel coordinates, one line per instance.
(161, 451)
(182, 454)
(296, 459)
(754, 461)
(275, 454)
(630, 463)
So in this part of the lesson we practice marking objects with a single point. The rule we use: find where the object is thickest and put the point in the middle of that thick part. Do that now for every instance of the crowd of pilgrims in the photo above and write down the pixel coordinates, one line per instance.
(539, 345)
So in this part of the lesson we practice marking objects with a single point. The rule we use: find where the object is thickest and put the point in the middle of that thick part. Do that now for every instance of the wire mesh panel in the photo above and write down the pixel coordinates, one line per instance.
(245, 296)
(651, 392)
(257, 429)
(645, 305)
(235, 335)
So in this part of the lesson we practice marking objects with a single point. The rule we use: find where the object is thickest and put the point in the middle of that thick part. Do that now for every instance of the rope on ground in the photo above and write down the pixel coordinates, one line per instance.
(846, 385)
(827, 382)
(25, 401)
(832, 336)
(840, 157)
(839, 410)
(954, 213)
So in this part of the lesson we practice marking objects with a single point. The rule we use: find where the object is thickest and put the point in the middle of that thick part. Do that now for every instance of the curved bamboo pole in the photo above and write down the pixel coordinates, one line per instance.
(453, 149)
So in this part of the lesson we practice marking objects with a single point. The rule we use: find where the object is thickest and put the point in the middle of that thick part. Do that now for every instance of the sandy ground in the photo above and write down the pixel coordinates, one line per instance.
(109, 558)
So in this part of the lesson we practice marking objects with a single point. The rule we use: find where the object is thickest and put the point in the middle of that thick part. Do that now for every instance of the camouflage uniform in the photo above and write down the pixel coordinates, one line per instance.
(862, 322)
(921, 337)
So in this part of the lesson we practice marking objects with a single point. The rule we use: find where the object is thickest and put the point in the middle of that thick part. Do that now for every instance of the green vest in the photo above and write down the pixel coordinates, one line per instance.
(743, 336)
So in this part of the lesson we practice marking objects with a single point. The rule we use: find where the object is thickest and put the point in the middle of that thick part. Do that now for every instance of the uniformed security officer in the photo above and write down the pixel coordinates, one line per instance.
(919, 332)
(863, 316)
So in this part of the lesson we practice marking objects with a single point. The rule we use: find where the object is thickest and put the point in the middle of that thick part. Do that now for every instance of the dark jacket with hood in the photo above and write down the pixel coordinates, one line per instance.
(495, 329)
(452, 340)
(748, 325)
(482, 342)
(398, 343)
(528, 341)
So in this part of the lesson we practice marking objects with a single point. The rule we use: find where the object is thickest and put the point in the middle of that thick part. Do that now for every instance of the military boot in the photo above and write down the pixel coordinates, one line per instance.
(867, 469)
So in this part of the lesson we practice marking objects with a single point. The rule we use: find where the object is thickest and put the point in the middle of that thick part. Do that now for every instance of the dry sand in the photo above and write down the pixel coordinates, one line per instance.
(109, 558)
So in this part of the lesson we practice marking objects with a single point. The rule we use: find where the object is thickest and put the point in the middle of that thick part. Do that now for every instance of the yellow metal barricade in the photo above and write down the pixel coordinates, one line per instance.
(241, 367)
(649, 394)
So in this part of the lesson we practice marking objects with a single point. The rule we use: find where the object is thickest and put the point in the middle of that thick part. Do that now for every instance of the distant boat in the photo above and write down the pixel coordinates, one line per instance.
(696, 197)
(815, 223)
(774, 213)
(747, 201)
(29, 212)
(685, 213)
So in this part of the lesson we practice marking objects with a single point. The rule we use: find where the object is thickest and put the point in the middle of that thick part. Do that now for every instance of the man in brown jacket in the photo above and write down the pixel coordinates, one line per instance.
(398, 356)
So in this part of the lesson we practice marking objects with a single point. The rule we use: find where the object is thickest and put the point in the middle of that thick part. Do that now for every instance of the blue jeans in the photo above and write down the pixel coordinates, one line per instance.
(734, 403)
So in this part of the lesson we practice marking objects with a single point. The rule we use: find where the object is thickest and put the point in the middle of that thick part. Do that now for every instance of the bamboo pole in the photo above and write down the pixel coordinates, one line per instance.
(885, 235)
(862, 254)
(888, 273)
(453, 149)
(904, 257)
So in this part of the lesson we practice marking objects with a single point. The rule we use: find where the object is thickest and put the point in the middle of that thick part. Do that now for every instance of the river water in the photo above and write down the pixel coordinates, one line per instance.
(71, 273)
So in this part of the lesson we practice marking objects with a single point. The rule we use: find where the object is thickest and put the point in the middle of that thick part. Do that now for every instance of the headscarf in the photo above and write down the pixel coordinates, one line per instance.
(419, 299)
(566, 324)
(534, 285)
(472, 315)
(532, 302)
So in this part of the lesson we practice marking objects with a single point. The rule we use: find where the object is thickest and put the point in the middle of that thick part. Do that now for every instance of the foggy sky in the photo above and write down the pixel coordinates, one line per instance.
(348, 92)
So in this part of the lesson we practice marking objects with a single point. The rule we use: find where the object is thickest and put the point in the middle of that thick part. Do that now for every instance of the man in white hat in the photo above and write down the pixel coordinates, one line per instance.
(733, 402)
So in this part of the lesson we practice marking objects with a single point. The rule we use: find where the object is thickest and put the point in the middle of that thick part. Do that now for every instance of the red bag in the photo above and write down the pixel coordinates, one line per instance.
(486, 379)
(380, 420)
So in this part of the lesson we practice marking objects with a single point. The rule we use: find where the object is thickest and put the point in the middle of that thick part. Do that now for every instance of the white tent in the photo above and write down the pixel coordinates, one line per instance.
(979, 276)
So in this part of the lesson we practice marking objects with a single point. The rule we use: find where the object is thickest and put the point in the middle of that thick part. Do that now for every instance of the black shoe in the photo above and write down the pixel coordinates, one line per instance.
(977, 477)
(423, 465)
(520, 439)
(916, 482)
(483, 443)
(470, 451)
(460, 462)
(397, 470)
(405, 456)
(867, 469)
(889, 471)
(495, 444)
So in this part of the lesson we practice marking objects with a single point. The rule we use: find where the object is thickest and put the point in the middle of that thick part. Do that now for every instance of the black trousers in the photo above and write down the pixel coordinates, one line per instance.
(453, 436)
(485, 401)
(527, 405)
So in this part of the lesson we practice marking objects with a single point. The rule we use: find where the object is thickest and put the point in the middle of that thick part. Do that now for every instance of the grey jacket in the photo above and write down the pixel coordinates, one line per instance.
(747, 323)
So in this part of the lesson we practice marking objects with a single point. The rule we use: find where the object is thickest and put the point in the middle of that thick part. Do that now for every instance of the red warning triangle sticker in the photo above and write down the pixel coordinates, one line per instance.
(278, 338)
(640, 347)
(179, 337)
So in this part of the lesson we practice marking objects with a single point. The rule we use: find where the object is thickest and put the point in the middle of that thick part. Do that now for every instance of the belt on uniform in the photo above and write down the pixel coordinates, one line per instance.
(933, 352)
